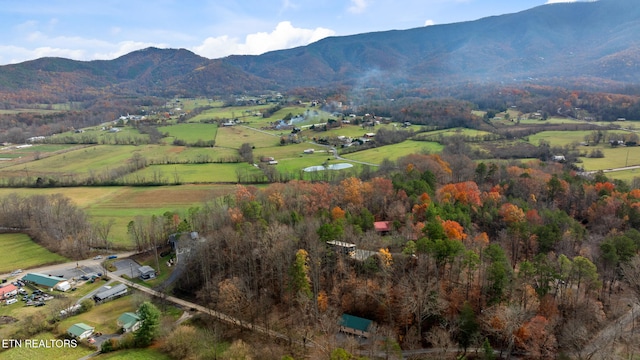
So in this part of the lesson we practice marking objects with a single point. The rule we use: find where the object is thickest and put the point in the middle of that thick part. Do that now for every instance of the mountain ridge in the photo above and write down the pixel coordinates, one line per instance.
(580, 40)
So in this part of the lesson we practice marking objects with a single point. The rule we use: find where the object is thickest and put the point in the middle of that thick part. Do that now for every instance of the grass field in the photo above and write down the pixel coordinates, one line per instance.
(562, 138)
(190, 133)
(123, 204)
(613, 158)
(190, 173)
(234, 136)
(24, 253)
(393, 152)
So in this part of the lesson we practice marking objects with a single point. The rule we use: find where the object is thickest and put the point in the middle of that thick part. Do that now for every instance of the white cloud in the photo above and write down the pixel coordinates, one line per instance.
(429, 22)
(357, 6)
(284, 36)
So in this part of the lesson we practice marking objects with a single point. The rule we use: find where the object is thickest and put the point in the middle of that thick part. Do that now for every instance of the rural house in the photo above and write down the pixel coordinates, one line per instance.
(147, 272)
(382, 227)
(129, 322)
(8, 291)
(354, 325)
(80, 331)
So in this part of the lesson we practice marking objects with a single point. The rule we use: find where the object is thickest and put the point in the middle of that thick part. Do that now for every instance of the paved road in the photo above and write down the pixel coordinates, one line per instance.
(68, 270)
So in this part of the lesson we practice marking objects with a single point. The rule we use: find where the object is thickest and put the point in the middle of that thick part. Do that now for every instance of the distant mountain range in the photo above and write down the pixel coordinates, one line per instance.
(589, 42)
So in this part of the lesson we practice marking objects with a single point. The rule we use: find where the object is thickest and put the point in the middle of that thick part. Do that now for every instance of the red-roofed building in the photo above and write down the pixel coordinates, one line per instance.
(382, 227)
(8, 291)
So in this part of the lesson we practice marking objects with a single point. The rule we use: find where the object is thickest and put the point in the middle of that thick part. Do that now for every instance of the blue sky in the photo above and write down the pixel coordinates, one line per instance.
(106, 29)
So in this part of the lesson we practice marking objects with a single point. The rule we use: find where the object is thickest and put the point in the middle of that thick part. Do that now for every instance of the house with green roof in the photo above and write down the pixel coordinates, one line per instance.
(129, 322)
(80, 331)
(354, 325)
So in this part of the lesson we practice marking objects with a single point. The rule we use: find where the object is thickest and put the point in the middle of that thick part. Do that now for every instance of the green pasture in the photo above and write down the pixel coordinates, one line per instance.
(126, 203)
(24, 253)
(613, 158)
(188, 154)
(234, 136)
(454, 132)
(245, 113)
(551, 120)
(57, 353)
(85, 160)
(188, 173)
(563, 138)
(624, 175)
(393, 152)
(280, 152)
(190, 132)
(348, 130)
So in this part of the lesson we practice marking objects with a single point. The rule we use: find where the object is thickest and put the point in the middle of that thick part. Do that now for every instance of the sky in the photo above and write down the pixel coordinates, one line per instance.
(106, 29)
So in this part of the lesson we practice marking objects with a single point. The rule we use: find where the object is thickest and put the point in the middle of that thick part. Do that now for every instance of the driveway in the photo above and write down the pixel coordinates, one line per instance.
(127, 267)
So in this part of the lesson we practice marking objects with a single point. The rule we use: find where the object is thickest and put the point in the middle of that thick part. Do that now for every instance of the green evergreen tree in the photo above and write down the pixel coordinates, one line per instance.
(150, 324)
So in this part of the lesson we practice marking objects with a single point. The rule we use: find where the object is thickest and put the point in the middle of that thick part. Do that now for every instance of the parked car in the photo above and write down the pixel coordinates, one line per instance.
(39, 303)
(112, 257)
(97, 257)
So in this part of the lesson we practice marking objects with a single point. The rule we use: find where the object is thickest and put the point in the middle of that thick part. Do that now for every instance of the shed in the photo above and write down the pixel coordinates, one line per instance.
(43, 280)
(80, 331)
(147, 272)
(62, 286)
(129, 322)
(354, 325)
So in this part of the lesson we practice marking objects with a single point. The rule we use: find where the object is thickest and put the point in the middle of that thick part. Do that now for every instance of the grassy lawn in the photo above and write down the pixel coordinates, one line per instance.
(24, 253)
(191, 132)
(393, 152)
(103, 317)
(57, 353)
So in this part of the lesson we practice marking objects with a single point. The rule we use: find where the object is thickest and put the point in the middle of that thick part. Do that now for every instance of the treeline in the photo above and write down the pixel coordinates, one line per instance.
(53, 221)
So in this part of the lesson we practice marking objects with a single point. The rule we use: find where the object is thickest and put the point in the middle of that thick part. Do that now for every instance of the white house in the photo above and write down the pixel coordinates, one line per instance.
(80, 331)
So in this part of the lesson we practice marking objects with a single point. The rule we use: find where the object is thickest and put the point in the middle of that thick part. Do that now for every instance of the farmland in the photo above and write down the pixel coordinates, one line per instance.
(25, 253)
(198, 174)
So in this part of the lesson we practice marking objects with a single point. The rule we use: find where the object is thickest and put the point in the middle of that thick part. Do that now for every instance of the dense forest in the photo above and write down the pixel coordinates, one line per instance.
(529, 258)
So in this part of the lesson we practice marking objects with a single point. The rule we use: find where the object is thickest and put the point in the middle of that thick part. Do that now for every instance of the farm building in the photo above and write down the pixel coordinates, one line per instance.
(49, 281)
(354, 325)
(147, 272)
(111, 293)
(80, 331)
(129, 322)
(8, 291)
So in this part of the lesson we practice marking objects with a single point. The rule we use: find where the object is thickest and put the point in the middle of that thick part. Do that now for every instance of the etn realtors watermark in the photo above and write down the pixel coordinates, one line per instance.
(38, 343)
